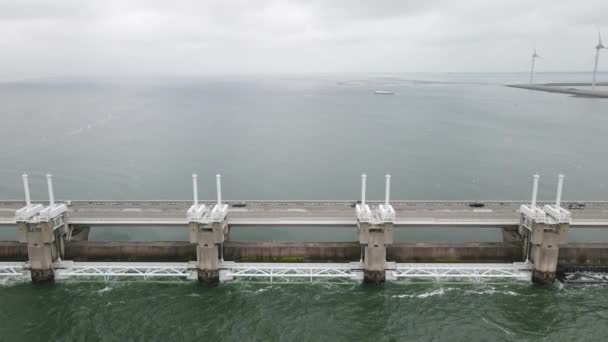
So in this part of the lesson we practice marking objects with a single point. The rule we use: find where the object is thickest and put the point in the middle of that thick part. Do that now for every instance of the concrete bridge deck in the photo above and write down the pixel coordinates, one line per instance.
(324, 213)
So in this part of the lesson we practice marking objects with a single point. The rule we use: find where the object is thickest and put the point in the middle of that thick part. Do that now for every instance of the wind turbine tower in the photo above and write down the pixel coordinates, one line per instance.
(534, 57)
(599, 46)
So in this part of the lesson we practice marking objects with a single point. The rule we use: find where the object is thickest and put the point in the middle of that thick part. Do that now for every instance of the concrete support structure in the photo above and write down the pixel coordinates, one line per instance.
(375, 229)
(209, 238)
(374, 238)
(544, 250)
(208, 229)
(45, 230)
(45, 245)
(543, 231)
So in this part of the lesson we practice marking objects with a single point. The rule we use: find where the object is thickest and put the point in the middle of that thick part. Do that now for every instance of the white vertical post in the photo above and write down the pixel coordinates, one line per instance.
(218, 181)
(26, 189)
(532, 70)
(363, 181)
(534, 191)
(195, 188)
(49, 182)
(597, 56)
(387, 192)
(560, 184)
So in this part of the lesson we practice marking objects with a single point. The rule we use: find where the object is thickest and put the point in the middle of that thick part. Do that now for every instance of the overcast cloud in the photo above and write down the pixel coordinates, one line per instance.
(148, 37)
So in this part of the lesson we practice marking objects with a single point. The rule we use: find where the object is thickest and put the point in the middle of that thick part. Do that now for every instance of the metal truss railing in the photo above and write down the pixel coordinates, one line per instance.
(291, 272)
(283, 272)
(12, 269)
(110, 270)
(585, 278)
(461, 271)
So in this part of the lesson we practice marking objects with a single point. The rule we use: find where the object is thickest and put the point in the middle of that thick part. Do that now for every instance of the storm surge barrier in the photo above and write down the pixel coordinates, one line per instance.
(53, 239)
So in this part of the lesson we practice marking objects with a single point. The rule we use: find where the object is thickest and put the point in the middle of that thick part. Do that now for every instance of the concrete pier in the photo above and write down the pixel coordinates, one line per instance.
(208, 239)
(45, 230)
(45, 245)
(208, 230)
(375, 230)
(374, 238)
(544, 246)
(543, 230)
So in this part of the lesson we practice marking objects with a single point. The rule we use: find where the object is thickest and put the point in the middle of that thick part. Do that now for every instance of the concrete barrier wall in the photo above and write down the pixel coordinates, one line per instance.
(130, 251)
(13, 251)
(572, 254)
(455, 252)
(584, 254)
(292, 251)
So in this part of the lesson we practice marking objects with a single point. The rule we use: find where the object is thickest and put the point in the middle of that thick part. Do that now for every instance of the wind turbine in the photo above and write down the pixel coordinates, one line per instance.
(534, 57)
(599, 46)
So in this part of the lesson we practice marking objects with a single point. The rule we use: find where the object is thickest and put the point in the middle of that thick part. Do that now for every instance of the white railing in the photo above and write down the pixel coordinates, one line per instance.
(219, 212)
(557, 214)
(51, 212)
(26, 213)
(13, 269)
(533, 213)
(196, 212)
(110, 270)
(291, 272)
(278, 272)
(462, 271)
(376, 215)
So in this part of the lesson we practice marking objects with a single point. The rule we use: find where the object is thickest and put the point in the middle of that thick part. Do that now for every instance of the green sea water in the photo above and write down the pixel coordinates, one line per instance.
(148, 311)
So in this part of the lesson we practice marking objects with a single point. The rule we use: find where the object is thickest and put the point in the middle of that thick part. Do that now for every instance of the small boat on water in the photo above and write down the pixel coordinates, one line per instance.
(384, 92)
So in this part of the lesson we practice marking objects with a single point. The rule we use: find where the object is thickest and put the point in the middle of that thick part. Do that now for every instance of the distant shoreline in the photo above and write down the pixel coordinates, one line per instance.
(554, 88)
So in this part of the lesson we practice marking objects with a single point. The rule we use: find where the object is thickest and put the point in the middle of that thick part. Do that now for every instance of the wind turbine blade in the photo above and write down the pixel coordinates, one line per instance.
(600, 44)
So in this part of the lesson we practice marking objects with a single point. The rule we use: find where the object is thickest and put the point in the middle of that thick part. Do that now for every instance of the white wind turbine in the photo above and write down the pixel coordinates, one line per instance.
(534, 57)
(599, 46)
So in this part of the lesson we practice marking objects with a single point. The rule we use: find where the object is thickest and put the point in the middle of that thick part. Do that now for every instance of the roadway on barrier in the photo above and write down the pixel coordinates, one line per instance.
(308, 213)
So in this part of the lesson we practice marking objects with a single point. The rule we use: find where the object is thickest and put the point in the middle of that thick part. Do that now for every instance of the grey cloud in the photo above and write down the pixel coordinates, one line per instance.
(70, 37)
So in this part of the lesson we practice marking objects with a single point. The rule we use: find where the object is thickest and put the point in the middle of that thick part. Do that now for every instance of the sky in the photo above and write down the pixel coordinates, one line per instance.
(50, 38)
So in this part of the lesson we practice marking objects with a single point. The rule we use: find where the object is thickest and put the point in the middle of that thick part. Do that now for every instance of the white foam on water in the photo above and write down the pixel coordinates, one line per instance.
(104, 290)
(492, 291)
(438, 292)
(263, 289)
(497, 326)
(403, 296)
(10, 281)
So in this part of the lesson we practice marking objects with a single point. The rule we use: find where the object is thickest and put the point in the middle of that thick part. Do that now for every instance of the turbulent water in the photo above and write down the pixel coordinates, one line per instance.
(441, 136)
(258, 312)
